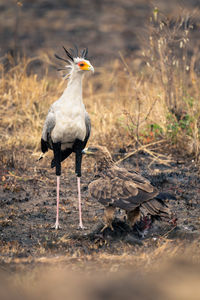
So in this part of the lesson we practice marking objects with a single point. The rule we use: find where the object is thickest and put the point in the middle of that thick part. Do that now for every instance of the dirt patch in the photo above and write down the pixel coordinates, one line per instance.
(28, 208)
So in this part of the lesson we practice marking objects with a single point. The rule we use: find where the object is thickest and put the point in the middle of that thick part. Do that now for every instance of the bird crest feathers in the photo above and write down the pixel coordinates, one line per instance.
(74, 54)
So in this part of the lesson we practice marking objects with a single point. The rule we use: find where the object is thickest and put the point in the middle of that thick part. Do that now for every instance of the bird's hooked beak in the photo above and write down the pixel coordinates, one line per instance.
(88, 67)
(85, 151)
(88, 151)
(91, 68)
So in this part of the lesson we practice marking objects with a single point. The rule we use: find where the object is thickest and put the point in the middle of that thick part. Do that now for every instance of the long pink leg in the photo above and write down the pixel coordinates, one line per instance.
(79, 203)
(57, 214)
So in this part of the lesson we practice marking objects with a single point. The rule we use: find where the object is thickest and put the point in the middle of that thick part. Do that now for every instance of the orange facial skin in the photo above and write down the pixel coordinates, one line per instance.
(83, 66)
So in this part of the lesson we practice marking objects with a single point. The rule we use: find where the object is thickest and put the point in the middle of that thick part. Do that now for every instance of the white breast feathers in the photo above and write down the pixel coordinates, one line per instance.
(70, 124)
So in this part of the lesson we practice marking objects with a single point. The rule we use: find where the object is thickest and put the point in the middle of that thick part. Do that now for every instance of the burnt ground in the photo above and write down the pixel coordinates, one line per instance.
(28, 208)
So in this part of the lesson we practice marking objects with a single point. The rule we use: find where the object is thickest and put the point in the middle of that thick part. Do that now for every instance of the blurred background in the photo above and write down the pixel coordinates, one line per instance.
(105, 26)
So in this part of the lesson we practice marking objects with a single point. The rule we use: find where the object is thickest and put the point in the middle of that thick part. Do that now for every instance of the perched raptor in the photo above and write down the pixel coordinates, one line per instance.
(67, 126)
(116, 187)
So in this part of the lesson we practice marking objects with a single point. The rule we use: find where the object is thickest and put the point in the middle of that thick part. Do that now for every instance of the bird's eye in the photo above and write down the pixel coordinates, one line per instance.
(93, 149)
(81, 65)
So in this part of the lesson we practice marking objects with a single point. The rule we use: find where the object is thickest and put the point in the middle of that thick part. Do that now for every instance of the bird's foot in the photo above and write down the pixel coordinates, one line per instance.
(173, 221)
(56, 226)
(143, 233)
(80, 226)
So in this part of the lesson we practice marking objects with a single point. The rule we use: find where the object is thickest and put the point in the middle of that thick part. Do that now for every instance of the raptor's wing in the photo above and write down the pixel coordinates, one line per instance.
(125, 193)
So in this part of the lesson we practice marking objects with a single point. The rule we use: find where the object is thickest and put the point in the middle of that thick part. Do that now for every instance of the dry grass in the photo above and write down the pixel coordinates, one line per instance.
(125, 108)
(160, 101)
(149, 257)
(25, 102)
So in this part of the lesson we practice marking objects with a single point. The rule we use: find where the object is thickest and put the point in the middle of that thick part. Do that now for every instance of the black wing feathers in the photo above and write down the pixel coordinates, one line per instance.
(44, 146)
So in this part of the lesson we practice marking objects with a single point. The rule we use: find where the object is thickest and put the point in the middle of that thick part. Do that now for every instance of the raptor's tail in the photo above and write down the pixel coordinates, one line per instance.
(157, 208)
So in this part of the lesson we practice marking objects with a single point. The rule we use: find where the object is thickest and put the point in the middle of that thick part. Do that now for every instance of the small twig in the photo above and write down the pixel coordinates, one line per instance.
(150, 110)
(164, 235)
(152, 152)
(156, 157)
(143, 147)
(125, 64)
(24, 178)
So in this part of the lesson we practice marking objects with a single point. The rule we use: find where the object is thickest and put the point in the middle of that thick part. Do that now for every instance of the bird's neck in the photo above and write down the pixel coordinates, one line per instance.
(104, 164)
(74, 87)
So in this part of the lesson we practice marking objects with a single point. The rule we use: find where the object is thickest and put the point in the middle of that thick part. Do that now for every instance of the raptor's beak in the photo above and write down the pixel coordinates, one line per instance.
(87, 151)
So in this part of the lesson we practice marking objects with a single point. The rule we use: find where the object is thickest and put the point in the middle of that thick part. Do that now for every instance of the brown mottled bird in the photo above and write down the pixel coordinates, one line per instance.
(115, 187)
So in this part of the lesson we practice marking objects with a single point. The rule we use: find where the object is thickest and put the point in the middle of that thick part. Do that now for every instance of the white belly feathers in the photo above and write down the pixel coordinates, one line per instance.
(70, 125)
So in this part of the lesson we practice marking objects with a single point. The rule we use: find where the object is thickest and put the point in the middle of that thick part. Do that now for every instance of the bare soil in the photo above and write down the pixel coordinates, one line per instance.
(28, 209)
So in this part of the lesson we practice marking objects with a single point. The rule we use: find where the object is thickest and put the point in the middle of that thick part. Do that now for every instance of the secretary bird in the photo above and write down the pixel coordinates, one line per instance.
(67, 126)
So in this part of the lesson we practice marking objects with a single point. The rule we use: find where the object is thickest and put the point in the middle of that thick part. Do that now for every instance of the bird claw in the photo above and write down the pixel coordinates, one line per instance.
(143, 234)
(173, 221)
(80, 226)
(56, 226)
